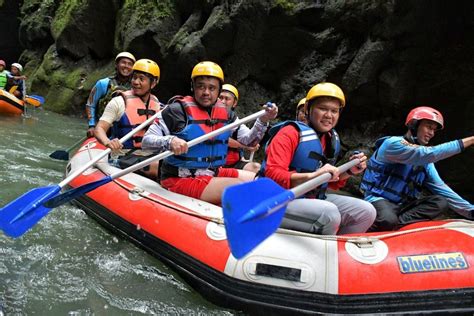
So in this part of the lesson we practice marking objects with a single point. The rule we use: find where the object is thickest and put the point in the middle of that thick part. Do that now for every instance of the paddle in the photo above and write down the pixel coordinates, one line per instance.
(21, 214)
(254, 210)
(64, 154)
(72, 194)
(34, 100)
(251, 156)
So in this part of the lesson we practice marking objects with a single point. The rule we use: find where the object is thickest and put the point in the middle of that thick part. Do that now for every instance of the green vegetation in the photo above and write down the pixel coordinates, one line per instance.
(64, 14)
(141, 12)
(285, 4)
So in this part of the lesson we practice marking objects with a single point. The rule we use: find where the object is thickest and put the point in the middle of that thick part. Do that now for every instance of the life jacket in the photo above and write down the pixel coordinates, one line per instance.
(309, 155)
(3, 79)
(15, 85)
(209, 154)
(234, 155)
(136, 112)
(113, 89)
(395, 182)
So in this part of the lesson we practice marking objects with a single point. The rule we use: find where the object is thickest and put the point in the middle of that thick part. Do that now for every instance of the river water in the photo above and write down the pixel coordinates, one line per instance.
(68, 264)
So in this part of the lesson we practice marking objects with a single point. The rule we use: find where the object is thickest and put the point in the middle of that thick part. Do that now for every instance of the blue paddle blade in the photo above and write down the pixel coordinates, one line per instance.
(252, 212)
(23, 213)
(37, 97)
(74, 193)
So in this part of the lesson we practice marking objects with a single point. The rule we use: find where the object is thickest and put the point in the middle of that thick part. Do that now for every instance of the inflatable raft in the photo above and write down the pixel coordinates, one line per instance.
(425, 267)
(9, 104)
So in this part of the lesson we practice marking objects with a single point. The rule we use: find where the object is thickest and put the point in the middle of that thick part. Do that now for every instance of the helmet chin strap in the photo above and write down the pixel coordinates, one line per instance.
(412, 136)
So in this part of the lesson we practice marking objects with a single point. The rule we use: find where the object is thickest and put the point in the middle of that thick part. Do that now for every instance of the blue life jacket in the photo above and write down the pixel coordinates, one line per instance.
(136, 112)
(309, 155)
(209, 154)
(395, 182)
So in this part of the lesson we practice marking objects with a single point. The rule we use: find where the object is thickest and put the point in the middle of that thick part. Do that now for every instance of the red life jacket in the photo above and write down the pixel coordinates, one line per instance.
(136, 112)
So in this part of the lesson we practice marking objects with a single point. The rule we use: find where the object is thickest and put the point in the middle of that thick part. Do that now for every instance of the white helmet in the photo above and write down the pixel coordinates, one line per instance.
(17, 65)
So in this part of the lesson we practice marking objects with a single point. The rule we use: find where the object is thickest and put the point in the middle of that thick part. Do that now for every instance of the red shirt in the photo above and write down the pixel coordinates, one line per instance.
(280, 154)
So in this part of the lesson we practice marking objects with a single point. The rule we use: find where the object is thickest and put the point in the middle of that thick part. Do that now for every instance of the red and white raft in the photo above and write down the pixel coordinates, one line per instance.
(425, 267)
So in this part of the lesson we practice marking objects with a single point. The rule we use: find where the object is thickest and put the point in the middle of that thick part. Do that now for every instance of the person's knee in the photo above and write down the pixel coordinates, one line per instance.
(370, 212)
(328, 222)
(388, 222)
(246, 176)
(441, 202)
(386, 216)
(252, 166)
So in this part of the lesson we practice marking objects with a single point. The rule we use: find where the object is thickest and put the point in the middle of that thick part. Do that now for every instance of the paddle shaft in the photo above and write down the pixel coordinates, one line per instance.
(315, 182)
(107, 151)
(191, 143)
(276, 202)
(75, 144)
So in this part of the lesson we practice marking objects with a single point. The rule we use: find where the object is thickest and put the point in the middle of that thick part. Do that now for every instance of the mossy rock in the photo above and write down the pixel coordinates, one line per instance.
(66, 85)
(35, 26)
(65, 15)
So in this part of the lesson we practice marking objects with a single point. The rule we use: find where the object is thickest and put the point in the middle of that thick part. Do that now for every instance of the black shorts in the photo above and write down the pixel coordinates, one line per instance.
(238, 165)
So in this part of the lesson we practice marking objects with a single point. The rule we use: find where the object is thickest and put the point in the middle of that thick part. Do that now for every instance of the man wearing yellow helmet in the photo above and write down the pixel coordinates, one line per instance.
(128, 110)
(230, 97)
(298, 152)
(300, 116)
(106, 88)
(198, 172)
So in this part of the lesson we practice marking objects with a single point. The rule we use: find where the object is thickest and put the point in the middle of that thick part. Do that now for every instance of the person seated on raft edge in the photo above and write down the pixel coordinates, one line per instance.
(125, 112)
(402, 165)
(107, 88)
(297, 152)
(197, 171)
(230, 97)
(16, 81)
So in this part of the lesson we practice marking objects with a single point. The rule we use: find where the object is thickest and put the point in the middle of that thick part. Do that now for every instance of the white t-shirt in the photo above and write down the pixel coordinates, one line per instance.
(114, 110)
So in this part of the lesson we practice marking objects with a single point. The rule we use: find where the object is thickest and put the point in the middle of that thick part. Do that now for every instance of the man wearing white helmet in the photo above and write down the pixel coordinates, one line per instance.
(402, 166)
(105, 89)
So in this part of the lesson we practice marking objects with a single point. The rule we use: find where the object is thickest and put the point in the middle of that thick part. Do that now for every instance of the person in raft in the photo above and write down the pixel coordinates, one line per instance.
(197, 171)
(297, 152)
(105, 89)
(16, 82)
(300, 116)
(128, 110)
(401, 166)
(4, 74)
(235, 155)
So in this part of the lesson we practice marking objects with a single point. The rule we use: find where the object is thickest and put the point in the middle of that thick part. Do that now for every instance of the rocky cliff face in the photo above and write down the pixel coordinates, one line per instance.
(388, 56)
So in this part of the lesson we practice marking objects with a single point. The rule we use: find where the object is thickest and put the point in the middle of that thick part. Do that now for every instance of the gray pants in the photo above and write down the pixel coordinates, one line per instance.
(337, 214)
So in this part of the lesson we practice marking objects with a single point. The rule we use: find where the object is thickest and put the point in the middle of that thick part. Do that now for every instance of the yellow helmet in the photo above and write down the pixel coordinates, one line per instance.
(147, 66)
(125, 55)
(231, 89)
(208, 68)
(300, 103)
(326, 89)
